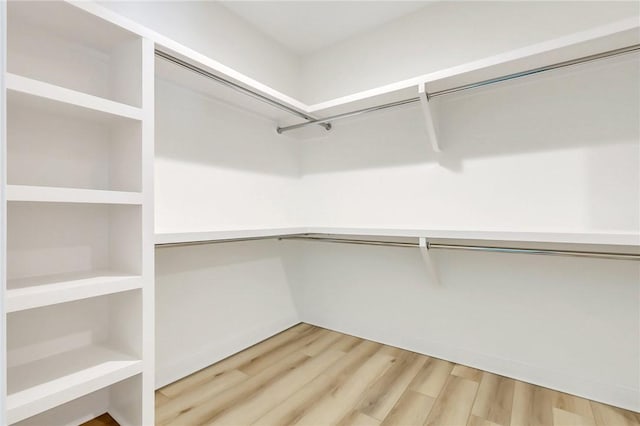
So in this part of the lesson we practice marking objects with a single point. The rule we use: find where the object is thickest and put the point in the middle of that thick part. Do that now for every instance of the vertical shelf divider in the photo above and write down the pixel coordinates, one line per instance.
(3, 212)
(148, 237)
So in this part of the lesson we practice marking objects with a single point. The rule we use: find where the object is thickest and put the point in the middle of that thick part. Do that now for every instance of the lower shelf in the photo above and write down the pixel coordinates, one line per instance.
(33, 292)
(40, 385)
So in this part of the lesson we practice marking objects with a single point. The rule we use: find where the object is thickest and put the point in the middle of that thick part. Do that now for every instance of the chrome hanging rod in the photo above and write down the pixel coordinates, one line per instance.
(239, 88)
(582, 60)
(518, 250)
(547, 252)
(226, 240)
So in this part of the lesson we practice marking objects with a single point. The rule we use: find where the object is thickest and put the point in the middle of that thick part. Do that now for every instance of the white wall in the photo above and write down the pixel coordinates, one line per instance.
(213, 30)
(444, 34)
(557, 152)
(215, 300)
(218, 167)
(563, 323)
(553, 152)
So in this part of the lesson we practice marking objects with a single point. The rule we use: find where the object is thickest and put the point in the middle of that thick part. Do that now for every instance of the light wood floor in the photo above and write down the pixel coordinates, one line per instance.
(103, 420)
(312, 376)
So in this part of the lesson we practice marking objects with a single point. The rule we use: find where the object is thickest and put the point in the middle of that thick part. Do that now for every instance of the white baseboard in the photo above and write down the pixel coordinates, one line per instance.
(219, 350)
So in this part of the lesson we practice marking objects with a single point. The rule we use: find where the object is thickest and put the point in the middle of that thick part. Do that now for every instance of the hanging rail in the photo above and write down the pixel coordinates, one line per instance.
(226, 240)
(585, 59)
(239, 88)
(518, 250)
(547, 252)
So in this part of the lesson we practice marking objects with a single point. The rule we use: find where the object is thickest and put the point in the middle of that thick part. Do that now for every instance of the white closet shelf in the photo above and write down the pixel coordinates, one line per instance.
(594, 238)
(33, 292)
(70, 195)
(41, 95)
(196, 236)
(43, 384)
(65, 20)
(619, 34)
(615, 35)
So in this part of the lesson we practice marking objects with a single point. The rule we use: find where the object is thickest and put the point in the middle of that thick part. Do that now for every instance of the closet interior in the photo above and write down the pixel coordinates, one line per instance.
(169, 200)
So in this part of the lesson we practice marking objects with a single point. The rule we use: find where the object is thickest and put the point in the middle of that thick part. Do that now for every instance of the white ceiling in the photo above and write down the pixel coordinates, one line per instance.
(308, 25)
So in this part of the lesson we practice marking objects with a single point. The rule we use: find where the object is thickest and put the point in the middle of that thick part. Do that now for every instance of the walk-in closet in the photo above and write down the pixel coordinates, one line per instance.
(320, 213)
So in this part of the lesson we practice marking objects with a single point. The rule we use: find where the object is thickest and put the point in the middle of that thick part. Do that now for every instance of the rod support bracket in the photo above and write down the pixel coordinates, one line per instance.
(423, 95)
(423, 244)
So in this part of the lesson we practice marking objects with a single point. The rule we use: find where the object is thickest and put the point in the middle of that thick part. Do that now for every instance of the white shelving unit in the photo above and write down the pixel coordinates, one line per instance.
(78, 198)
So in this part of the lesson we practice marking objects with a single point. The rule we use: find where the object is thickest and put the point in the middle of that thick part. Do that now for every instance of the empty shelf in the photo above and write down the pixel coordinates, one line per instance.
(43, 384)
(33, 292)
(70, 195)
(27, 90)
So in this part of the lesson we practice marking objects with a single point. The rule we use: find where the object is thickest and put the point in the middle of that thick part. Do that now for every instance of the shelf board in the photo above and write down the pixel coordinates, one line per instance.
(70, 195)
(619, 34)
(49, 96)
(33, 292)
(223, 235)
(591, 238)
(192, 56)
(64, 20)
(46, 383)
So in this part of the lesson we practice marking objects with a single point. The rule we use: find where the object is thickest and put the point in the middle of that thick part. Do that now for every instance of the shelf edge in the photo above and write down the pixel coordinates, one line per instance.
(48, 194)
(40, 89)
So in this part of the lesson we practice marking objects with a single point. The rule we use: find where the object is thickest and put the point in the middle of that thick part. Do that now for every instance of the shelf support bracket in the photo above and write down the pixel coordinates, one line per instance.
(428, 260)
(428, 116)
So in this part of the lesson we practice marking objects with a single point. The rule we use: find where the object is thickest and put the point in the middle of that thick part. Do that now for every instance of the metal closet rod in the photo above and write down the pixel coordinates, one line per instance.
(571, 253)
(517, 250)
(226, 240)
(238, 88)
(582, 60)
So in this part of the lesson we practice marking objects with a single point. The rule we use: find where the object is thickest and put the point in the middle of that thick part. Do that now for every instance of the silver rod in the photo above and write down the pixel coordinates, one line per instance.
(582, 60)
(227, 240)
(348, 114)
(238, 88)
(350, 241)
(546, 252)
(514, 250)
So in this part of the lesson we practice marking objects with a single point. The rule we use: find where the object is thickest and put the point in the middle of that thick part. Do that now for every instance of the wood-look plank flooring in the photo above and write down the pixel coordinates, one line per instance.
(311, 376)
(103, 420)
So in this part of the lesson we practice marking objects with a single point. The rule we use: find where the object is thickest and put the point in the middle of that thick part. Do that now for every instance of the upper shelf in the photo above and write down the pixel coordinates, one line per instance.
(198, 236)
(615, 35)
(48, 96)
(591, 238)
(61, 47)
